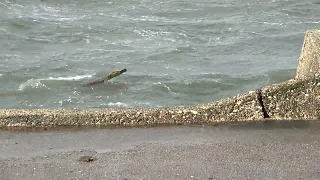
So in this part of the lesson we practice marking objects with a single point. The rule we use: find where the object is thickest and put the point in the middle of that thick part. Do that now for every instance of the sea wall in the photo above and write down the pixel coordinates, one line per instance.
(298, 98)
(243, 107)
(309, 63)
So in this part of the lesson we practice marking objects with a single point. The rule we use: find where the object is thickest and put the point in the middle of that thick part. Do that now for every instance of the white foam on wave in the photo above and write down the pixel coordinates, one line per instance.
(3, 4)
(165, 86)
(72, 78)
(33, 83)
(118, 104)
(143, 18)
(42, 12)
(36, 83)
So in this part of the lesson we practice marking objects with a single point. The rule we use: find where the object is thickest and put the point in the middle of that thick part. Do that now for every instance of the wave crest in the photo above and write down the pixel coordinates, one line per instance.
(33, 83)
(37, 83)
(118, 104)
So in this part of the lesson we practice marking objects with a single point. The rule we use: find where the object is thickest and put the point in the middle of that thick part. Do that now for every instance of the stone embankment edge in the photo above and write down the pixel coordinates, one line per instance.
(297, 98)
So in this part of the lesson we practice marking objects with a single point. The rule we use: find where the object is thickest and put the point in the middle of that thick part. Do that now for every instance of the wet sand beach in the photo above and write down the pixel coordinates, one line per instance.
(261, 150)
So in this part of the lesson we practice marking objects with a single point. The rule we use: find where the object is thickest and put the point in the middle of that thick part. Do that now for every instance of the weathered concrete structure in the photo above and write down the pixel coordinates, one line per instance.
(242, 107)
(309, 63)
(294, 99)
(298, 98)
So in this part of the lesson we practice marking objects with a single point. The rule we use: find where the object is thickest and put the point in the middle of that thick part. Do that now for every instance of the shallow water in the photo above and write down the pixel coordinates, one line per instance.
(177, 53)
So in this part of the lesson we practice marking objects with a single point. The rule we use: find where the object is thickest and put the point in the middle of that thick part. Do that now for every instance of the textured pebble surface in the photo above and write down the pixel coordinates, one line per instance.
(241, 107)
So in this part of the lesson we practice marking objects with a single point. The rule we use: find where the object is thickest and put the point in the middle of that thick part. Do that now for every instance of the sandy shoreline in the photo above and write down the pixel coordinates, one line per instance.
(273, 150)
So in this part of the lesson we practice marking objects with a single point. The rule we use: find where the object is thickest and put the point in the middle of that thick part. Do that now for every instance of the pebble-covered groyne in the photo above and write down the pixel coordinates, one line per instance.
(242, 107)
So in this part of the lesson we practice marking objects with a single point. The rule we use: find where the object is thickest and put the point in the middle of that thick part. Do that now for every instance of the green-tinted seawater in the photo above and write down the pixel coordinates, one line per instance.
(177, 53)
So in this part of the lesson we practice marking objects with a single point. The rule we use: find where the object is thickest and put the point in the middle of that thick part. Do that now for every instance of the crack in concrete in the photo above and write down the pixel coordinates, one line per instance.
(263, 109)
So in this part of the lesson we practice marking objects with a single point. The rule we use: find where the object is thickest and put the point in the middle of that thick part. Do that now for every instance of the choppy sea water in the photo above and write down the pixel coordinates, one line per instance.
(177, 52)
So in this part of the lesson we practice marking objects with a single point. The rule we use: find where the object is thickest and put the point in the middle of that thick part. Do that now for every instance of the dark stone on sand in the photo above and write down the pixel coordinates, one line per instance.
(86, 159)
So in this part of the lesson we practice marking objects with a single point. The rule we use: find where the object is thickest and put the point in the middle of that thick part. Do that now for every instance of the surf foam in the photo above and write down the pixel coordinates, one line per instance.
(118, 104)
(69, 78)
(36, 83)
(33, 83)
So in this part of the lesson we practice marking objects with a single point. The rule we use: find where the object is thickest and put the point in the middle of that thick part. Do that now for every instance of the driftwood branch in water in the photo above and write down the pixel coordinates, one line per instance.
(112, 75)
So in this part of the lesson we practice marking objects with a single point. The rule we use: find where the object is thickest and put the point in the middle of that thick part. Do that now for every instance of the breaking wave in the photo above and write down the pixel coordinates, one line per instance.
(37, 83)
(117, 104)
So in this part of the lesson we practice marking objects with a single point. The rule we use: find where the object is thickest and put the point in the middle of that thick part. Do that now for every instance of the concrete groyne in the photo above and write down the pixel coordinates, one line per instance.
(297, 98)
